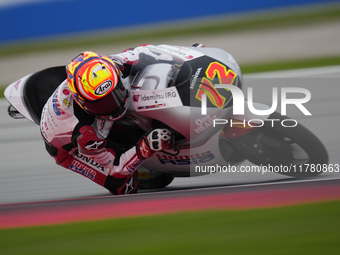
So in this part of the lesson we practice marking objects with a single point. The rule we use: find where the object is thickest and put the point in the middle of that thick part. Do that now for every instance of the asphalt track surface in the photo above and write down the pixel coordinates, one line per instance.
(106, 207)
(29, 177)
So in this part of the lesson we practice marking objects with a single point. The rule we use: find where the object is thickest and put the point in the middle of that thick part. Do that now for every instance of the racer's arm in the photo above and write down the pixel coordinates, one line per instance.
(121, 165)
(98, 160)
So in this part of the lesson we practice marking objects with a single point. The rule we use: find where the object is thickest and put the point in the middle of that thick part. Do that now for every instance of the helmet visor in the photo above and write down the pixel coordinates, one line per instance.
(111, 107)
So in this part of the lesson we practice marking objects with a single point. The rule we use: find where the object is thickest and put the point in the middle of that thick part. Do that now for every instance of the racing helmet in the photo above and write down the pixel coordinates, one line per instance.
(95, 84)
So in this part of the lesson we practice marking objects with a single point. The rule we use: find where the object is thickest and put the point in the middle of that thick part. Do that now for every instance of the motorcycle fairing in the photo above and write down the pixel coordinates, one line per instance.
(14, 95)
(150, 89)
(199, 76)
(29, 94)
(184, 164)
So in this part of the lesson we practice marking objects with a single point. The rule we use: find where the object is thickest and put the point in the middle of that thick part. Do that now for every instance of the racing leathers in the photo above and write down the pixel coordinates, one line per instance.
(79, 141)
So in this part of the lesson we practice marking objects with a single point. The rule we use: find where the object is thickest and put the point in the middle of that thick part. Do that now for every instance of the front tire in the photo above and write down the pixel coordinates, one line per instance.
(157, 182)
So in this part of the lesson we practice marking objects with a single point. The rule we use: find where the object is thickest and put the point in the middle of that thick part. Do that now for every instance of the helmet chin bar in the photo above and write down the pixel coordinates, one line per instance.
(110, 117)
(110, 107)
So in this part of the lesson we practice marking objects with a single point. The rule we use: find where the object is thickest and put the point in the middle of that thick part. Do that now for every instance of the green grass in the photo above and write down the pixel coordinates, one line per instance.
(291, 64)
(304, 229)
(2, 89)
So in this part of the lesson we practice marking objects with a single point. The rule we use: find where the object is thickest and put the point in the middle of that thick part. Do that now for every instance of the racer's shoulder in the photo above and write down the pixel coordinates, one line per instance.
(62, 100)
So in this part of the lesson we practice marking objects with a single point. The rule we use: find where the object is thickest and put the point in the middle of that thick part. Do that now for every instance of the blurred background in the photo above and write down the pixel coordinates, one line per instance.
(40, 33)
(33, 19)
(262, 35)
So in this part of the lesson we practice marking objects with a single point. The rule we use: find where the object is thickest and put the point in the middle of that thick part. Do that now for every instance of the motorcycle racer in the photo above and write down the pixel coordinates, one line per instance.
(162, 94)
(77, 119)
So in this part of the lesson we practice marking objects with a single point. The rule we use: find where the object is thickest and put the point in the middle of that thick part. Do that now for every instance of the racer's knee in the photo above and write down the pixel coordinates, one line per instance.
(53, 151)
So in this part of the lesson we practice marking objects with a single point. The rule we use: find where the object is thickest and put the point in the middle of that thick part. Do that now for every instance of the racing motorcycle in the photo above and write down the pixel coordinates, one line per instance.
(181, 95)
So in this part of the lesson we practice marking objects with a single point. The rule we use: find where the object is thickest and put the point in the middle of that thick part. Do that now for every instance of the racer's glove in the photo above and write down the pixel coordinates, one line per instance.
(90, 145)
(152, 141)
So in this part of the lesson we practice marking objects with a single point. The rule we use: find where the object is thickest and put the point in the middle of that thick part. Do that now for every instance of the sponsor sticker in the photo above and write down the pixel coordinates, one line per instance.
(16, 86)
(103, 88)
(56, 105)
(143, 175)
(151, 106)
(151, 100)
(197, 158)
(82, 169)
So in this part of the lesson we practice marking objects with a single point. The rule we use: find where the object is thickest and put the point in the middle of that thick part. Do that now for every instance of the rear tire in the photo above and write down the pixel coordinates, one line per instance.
(156, 182)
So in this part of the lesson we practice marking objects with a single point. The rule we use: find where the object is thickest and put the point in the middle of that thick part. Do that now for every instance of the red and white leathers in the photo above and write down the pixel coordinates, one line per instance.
(78, 141)
(59, 127)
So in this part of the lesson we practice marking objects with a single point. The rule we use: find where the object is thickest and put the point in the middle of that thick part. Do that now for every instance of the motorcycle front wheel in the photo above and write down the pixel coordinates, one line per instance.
(157, 182)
